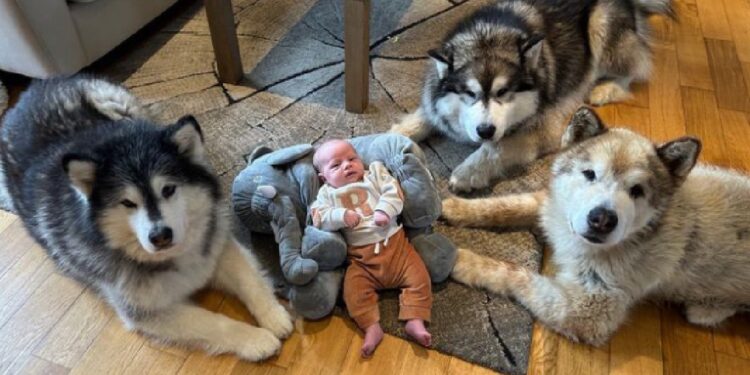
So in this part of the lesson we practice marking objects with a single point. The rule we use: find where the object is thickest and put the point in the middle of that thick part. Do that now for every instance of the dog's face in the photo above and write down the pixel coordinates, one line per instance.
(616, 183)
(150, 193)
(486, 86)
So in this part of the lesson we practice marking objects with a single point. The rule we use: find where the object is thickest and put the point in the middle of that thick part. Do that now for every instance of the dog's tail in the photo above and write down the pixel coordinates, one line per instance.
(663, 7)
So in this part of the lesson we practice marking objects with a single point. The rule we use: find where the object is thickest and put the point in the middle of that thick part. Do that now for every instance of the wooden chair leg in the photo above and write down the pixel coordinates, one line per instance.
(224, 40)
(356, 54)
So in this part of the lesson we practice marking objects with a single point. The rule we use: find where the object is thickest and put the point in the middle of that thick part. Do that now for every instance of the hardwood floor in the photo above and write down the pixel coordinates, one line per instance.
(700, 86)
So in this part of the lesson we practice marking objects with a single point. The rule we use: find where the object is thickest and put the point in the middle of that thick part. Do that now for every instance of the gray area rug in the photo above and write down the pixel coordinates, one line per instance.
(293, 92)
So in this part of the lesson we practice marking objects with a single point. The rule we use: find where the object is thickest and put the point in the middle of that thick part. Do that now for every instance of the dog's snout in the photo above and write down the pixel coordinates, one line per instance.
(160, 237)
(602, 220)
(486, 131)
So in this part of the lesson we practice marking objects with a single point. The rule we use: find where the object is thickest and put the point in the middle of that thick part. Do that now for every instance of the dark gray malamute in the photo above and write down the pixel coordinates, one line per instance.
(510, 75)
(132, 209)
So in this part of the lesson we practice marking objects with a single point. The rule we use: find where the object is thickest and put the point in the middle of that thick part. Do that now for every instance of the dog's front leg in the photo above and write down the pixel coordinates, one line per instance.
(478, 169)
(239, 273)
(516, 210)
(589, 316)
(192, 325)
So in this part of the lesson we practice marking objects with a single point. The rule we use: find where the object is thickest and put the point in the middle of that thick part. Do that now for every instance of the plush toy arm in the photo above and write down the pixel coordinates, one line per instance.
(297, 270)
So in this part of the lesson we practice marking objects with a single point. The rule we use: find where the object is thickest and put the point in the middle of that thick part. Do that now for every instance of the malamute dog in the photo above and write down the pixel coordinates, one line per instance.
(133, 210)
(626, 220)
(509, 76)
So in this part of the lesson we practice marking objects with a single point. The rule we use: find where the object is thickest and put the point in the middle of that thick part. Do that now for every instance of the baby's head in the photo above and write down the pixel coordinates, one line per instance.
(338, 163)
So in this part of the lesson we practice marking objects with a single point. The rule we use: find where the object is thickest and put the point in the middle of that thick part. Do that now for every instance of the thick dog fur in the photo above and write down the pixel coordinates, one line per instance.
(508, 77)
(627, 220)
(133, 211)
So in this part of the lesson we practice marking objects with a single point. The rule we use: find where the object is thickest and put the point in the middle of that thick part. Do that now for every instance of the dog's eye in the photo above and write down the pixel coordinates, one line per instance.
(168, 190)
(636, 191)
(470, 94)
(501, 92)
(128, 203)
(589, 174)
(524, 86)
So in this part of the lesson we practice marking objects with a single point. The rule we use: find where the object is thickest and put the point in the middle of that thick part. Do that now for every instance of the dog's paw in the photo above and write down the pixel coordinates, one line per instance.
(258, 345)
(708, 316)
(455, 211)
(277, 320)
(608, 92)
(463, 180)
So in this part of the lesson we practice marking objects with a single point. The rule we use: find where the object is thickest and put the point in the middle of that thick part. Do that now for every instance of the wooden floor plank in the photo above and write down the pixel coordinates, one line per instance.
(16, 243)
(38, 366)
(543, 352)
(149, 361)
(112, 351)
(733, 337)
(636, 348)
(576, 358)
(71, 337)
(457, 366)
(738, 13)
(687, 349)
(34, 319)
(6, 219)
(386, 360)
(735, 129)
(665, 102)
(714, 21)
(692, 57)
(323, 346)
(700, 113)
(731, 92)
(730, 365)
(22, 279)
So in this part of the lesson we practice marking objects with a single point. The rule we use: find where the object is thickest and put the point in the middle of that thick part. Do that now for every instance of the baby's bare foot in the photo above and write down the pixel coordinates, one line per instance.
(373, 337)
(415, 329)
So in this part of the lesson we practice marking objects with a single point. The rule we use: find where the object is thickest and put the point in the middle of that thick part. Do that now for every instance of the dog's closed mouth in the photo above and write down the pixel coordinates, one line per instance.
(592, 239)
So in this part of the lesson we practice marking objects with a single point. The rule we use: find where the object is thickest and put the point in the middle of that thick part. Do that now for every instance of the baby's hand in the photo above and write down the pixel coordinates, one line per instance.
(381, 218)
(351, 218)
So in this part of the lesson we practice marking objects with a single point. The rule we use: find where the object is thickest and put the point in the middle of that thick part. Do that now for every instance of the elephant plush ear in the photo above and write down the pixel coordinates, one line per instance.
(289, 154)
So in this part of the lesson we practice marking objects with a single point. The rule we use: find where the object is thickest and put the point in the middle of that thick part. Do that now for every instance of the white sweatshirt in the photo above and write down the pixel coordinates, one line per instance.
(378, 191)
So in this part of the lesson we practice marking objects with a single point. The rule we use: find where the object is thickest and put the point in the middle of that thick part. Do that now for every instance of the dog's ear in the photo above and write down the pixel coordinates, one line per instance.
(81, 171)
(187, 135)
(680, 155)
(531, 48)
(584, 124)
(443, 59)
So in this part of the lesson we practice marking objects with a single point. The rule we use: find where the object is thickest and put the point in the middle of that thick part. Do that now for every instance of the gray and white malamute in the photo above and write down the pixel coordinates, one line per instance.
(627, 220)
(510, 75)
(132, 210)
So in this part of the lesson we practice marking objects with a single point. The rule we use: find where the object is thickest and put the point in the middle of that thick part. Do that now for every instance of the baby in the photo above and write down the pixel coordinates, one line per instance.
(365, 205)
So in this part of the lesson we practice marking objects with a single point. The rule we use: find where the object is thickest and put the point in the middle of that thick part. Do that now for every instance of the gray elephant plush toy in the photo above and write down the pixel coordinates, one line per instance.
(273, 193)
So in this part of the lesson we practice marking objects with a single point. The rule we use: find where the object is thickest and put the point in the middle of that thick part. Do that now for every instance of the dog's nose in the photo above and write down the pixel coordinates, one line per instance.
(486, 131)
(161, 237)
(602, 220)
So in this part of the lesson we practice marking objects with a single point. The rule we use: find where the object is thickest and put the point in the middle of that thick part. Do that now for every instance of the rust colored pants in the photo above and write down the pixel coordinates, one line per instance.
(397, 266)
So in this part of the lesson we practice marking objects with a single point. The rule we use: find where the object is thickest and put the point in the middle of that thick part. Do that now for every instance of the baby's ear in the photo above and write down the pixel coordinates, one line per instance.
(321, 177)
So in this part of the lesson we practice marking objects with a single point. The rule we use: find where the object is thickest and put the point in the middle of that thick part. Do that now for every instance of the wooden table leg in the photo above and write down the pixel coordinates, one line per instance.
(224, 40)
(356, 54)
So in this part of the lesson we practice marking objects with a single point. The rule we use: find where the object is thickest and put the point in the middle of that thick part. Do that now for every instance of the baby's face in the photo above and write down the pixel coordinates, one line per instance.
(339, 164)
